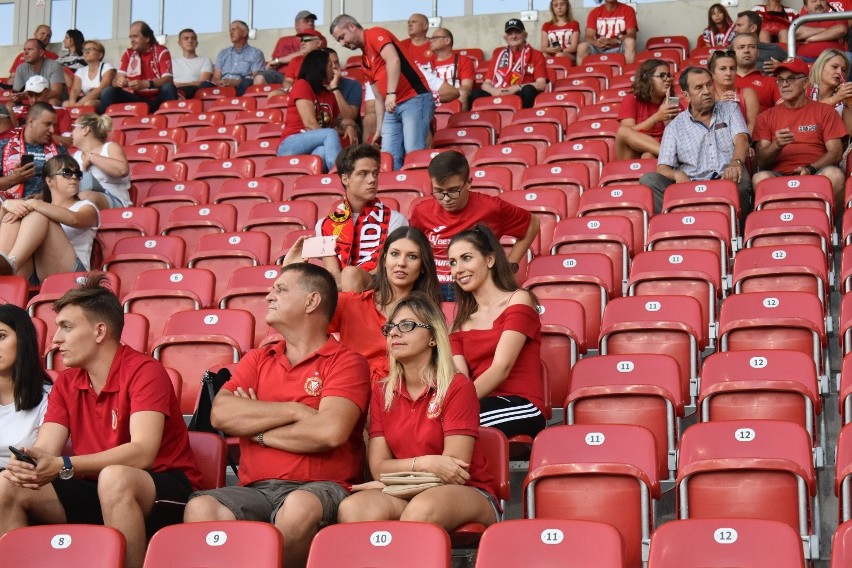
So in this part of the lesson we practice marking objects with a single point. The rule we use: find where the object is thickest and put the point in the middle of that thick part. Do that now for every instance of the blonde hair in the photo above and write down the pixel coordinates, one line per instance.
(98, 46)
(100, 125)
(439, 372)
(819, 65)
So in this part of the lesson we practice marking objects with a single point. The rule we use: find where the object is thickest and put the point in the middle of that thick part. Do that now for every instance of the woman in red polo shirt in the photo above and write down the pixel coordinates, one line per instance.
(423, 418)
(645, 112)
(496, 335)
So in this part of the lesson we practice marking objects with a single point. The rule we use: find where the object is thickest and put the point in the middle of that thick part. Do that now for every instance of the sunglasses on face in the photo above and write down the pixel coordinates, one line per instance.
(68, 173)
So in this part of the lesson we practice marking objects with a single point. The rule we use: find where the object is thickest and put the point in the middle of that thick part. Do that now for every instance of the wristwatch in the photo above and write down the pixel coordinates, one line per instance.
(515, 267)
(67, 472)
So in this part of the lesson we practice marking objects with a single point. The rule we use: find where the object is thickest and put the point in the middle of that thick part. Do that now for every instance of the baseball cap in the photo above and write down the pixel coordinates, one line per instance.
(514, 24)
(304, 14)
(36, 84)
(310, 33)
(793, 65)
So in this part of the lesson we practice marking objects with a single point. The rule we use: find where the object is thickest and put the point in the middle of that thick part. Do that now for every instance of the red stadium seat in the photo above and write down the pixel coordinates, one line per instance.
(143, 175)
(173, 110)
(572, 179)
(593, 153)
(588, 87)
(773, 227)
(708, 195)
(610, 97)
(669, 42)
(216, 172)
(404, 186)
(610, 235)
(843, 474)
(570, 103)
(125, 222)
(506, 105)
(541, 136)
(605, 109)
(493, 180)
(258, 149)
(560, 117)
(474, 53)
(170, 137)
(792, 267)
(466, 140)
(279, 218)
(193, 153)
(444, 111)
(192, 123)
(846, 324)
(253, 120)
(139, 153)
(548, 205)
(224, 543)
(626, 171)
(419, 159)
(381, 544)
(134, 126)
(795, 192)
(244, 194)
(634, 202)
(222, 253)
(841, 546)
(490, 119)
(516, 157)
(247, 290)
(557, 68)
(127, 109)
(563, 341)
(14, 290)
(166, 196)
(133, 255)
(323, 190)
(48, 546)
(209, 95)
(600, 71)
(190, 222)
(614, 60)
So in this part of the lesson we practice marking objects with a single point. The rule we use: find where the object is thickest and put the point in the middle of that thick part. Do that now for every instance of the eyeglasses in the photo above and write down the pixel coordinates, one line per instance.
(663, 76)
(405, 326)
(68, 173)
(451, 193)
(788, 80)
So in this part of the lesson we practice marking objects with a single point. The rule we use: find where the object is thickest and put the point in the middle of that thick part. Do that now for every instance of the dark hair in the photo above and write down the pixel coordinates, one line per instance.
(317, 279)
(146, 31)
(345, 162)
(50, 168)
(719, 54)
(487, 244)
(28, 375)
(753, 19)
(97, 300)
(186, 30)
(78, 39)
(711, 25)
(38, 109)
(642, 82)
(313, 69)
(448, 164)
(426, 283)
(684, 76)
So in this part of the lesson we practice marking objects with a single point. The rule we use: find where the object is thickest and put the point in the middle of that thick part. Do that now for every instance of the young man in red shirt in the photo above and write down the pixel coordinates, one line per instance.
(610, 28)
(456, 208)
(746, 50)
(131, 445)
(299, 409)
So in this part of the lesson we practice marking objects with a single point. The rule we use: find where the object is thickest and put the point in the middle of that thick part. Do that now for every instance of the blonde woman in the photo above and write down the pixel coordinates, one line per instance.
(90, 80)
(828, 83)
(424, 418)
(107, 182)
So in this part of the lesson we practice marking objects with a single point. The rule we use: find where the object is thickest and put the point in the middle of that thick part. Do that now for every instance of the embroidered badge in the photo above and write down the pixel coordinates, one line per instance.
(313, 385)
(434, 409)
(114, 419)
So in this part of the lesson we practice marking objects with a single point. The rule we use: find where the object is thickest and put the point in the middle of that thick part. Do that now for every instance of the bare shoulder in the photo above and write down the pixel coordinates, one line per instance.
(522, 296)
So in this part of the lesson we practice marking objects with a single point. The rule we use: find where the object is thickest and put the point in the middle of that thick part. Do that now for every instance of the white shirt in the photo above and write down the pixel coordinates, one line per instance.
(20, 428)
(185, 70)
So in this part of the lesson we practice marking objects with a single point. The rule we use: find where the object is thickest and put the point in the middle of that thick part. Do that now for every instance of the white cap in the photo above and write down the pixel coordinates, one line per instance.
(36, 84)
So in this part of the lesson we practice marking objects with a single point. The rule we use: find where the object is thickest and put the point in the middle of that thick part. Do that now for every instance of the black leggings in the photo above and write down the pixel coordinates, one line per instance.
(514, 415)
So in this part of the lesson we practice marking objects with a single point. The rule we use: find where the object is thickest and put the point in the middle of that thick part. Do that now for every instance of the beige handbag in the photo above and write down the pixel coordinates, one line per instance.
(407, 484)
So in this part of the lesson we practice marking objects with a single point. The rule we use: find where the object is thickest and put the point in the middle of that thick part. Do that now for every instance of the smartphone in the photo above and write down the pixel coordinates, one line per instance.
(27, 159)
(22, 456)
(318, 247)
(674, 101)
(555, 43)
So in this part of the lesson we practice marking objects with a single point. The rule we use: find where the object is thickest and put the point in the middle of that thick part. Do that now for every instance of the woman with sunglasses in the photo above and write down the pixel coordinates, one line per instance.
(645, 112)
(496, 337)
(406, 265)
(52, 233)
(104, 163)
(723, 68)
(828, 83)
(423, 418)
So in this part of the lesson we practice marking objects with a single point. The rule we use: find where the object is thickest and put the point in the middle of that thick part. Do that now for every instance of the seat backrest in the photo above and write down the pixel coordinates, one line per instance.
(220, 543)
(211, 454)
(48, 546)
(841, 546)
(14, 290)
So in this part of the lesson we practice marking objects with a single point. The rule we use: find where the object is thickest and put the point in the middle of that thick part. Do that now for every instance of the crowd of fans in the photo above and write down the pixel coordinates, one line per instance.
(299, 406)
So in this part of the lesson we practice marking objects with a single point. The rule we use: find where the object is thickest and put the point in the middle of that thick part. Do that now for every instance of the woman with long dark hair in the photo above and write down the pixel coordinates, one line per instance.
(645, 112)
(720, 28)
(73, 44)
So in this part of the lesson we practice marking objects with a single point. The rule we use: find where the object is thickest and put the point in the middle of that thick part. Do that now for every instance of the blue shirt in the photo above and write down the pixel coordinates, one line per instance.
(239, 64)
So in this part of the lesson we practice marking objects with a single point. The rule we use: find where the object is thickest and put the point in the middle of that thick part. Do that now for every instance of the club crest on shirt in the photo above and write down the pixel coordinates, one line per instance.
(313, 385)
(114, 419)
(434, 409)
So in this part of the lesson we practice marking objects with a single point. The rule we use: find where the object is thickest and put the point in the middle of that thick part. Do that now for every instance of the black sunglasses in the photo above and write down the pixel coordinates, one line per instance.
(68, 173)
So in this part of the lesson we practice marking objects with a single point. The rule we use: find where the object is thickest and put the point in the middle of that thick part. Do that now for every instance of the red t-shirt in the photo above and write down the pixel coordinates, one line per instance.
(411, 80)
(560, 33)
(505, 62)
(814, 49)
(414, 428)
(292, 70)
(135, 383)
(148, 66)
(765, 87)
(612, 24)
(812, 126)
(640, 111)
(477, 346)
(332, 370)
(359, 324)
(20, 59)
(325, 107)
(440, 226)
(447, 70)
(420, 54)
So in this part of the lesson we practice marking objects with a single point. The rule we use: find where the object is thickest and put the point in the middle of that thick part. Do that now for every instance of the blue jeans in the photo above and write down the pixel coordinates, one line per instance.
(324, 142)
(405, 129)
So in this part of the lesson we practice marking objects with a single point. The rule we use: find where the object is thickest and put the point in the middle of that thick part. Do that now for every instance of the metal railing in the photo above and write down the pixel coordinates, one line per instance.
(791, 31)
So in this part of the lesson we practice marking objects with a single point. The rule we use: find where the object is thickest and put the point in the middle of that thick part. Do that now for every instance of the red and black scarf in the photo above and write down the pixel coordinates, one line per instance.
(14, 149)
(360, 240)
(509, 71)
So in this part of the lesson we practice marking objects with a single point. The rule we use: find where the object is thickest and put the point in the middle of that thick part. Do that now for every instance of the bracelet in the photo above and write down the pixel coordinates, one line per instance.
(259, 439)
(338, 88)
(391, 93)
(414, 461)
(811, 170)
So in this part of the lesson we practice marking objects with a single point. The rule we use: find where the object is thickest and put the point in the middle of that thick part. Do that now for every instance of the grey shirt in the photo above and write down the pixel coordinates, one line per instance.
(50, 70)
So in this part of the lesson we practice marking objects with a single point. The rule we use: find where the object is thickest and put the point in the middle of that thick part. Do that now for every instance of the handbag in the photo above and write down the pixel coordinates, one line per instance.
(407, 484)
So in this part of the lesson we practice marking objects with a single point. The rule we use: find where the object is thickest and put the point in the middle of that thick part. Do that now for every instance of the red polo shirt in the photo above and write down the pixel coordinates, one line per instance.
(411, 80)
(765, 87)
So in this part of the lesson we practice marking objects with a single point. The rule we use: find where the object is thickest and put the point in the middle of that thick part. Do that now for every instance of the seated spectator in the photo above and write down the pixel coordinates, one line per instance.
(36, 64)
(560, 35)
(24, 385)
(361, 222)
(313, 124)
(645, 112)
(417, 43)
(799, 136)
(191, 69)
(720, 28)
(446, 427)
(145, 72)
(349, 92)
(52, 233)
(456, 208)
(768, 54)
(37, 90)
(517, 69)
(43, 33)
(723, 68)
(91, 80)
(131, 446)
(286, 49)
(34, 139)
(106, 171)
(237, 66)
(610, 28)
(709, 140)
(452, 68)
(496, 337)
(828, 84)
(311, 41)
(815, 37)
(776, 19)
(5, 123)
(298, 408)
(73, 43)
(745, 47)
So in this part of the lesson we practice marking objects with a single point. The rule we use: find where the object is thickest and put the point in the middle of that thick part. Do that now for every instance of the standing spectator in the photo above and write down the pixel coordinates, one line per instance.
(645, 112)
(610, 28)
(517, 69)
(828, 84)
(709, 140)
(560, 35)
(286, 49)
(36, 139)
(107, 172)
(776, 19)
(73, 44)
(815, 37)
(404, 103)
(43, 33)
(190, 69)
(452, 68)
(723, 68)
(745, 47)
(768, 54)
(799, 136)
(35, 63)
(417, 43)
(720, 28)
(90, 81)
(145, 73)
(236, 66)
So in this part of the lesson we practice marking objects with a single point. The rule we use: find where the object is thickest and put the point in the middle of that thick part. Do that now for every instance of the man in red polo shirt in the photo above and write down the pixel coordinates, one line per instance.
(815, 37)
(745, 46)
(417, 43)
(117, 406)
(298, 408)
